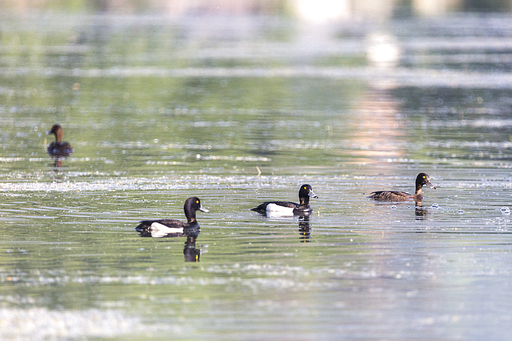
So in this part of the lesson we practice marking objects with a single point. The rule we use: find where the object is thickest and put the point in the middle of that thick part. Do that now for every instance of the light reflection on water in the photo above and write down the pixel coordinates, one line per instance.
(153, 125)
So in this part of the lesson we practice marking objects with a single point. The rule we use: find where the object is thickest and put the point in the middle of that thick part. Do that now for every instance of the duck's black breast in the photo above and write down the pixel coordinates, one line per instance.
(263, 207)
(59, 149)
(390, 196)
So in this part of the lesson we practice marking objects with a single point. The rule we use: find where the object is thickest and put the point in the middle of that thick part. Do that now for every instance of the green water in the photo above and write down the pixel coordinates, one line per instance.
(236, 113)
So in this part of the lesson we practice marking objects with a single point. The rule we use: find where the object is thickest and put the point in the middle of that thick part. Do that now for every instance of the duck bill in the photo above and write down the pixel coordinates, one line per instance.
(202, 209)
(429, 184)
(312, 194)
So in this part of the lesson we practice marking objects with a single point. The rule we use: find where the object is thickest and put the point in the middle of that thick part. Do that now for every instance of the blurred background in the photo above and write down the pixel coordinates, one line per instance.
(304, 9)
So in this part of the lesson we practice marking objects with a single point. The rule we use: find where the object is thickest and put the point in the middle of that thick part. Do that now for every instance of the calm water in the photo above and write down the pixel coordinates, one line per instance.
(237, 111)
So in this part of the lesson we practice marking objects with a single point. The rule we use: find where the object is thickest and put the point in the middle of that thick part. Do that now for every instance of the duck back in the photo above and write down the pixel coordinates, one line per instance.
(390, 196)
(285, 204)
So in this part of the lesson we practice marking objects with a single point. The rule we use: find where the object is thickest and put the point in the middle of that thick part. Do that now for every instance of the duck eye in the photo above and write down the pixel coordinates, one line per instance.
(197, 201)
(423, 176)
(305, 187)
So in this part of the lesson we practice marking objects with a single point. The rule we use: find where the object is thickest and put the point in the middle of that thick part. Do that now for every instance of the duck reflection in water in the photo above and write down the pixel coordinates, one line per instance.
(172, 228)
(189, 250)
(304, 229)
(57, 163)
(420, 212)
(58, 149)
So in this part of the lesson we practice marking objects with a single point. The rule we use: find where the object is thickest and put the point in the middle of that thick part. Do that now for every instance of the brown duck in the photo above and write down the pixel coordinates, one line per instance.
(421, 179)
(58, 148)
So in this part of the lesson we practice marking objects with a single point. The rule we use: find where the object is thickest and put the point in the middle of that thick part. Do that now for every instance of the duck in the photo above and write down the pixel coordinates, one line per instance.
(58, 148)
(286, 208)
(421, 180)
(173, 227)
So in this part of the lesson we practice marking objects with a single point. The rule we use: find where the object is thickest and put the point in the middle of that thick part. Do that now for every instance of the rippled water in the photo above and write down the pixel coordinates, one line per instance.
(237, 111)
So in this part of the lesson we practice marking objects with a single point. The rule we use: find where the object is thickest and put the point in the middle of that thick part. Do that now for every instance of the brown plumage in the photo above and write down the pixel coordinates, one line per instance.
(58, 148)
(421, 179)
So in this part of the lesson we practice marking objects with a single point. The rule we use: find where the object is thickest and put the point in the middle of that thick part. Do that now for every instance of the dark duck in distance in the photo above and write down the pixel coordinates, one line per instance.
(58, 148)
(173, 227)
(421, 179)
(286, 208)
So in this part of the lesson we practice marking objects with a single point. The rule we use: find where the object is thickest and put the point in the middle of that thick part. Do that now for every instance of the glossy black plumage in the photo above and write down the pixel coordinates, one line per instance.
(173, 227)
(421, 180)
(305, 192)
(58, 148)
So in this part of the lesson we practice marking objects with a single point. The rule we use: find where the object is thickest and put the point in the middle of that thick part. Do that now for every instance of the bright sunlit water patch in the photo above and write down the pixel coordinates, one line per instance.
(43, 324)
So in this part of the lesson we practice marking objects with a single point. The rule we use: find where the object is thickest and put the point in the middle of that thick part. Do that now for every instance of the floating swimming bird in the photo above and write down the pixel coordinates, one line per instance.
(173, 227)
(286, 208)
(58, 148)
(421, 179)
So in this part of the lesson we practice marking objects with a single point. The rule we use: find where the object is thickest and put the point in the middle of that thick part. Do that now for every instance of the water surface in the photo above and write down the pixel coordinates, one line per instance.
(237, 111)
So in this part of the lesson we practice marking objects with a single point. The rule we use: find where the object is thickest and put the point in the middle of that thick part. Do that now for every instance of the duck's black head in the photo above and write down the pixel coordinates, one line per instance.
(423, 179)
(192, 205)
(305, 192)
